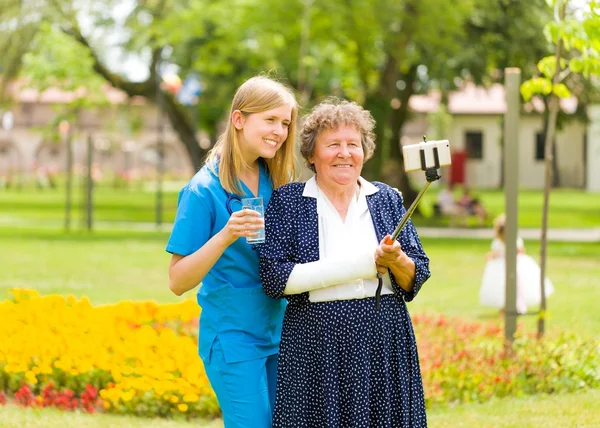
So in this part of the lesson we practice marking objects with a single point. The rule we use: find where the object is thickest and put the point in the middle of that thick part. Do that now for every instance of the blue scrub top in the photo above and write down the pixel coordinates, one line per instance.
(235, 308)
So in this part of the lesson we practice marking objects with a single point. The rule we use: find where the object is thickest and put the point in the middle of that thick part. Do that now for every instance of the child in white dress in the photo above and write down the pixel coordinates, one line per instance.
(493, 285)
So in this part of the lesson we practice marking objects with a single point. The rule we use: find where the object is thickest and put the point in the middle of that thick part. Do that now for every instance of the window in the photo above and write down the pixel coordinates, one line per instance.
(474, 144)
(540, 140)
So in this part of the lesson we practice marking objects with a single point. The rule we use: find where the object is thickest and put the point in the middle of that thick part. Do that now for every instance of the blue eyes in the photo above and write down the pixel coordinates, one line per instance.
(272, 120)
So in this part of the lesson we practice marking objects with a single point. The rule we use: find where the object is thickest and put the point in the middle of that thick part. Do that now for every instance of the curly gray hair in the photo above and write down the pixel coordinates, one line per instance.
(330, 115)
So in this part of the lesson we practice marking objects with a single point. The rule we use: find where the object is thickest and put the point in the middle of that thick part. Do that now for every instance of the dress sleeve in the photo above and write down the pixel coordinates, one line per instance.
(411, 245)
(277, 256)
(520, 244)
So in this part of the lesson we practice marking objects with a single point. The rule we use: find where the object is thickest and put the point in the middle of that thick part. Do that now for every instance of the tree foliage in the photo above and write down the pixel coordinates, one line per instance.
(576, 39)
(377, 52)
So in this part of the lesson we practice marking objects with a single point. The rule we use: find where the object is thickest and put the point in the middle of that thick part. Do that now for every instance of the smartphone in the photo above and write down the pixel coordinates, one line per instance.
(425, 155)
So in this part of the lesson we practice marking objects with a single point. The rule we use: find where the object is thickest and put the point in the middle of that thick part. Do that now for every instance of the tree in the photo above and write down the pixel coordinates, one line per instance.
(577, 51)
(52, 17)
(377, 52)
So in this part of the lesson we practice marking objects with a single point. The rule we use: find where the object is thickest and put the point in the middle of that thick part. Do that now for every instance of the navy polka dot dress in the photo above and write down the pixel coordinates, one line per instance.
(342, 363)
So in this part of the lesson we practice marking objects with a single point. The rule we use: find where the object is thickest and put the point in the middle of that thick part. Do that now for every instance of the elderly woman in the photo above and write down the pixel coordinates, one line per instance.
(343, 362)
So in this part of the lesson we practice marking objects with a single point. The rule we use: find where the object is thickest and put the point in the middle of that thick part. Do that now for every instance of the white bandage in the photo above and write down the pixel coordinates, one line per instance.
(330, 271)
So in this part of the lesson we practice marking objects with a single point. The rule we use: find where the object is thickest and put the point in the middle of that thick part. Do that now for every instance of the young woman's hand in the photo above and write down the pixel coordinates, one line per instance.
(244, 223)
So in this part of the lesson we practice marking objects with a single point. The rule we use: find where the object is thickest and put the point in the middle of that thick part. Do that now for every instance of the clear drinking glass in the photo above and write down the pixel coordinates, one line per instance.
(255, 204)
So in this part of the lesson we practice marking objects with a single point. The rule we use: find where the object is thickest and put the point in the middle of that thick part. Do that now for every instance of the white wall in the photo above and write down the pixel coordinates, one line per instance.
(569, 154)
(593, 149)
(484, 172)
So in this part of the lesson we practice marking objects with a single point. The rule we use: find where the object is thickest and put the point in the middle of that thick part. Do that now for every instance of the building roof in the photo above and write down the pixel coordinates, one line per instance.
(20, 92)
(472, 99)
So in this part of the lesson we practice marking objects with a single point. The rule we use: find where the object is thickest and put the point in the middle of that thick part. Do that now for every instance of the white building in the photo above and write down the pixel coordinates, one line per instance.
(476, 134)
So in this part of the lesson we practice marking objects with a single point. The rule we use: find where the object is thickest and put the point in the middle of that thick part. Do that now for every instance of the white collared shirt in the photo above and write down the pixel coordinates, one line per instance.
(338, 237)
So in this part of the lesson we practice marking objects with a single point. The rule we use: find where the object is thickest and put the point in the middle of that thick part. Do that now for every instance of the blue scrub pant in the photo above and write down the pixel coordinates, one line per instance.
(245, 390)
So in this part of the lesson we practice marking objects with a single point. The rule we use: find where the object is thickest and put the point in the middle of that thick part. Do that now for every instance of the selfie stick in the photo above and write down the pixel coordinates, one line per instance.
(431, 175)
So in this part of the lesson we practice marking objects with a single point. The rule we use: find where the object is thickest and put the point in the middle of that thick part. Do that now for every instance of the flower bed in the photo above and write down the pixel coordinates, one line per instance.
(135, 358)
(141, 358)
(467, 361)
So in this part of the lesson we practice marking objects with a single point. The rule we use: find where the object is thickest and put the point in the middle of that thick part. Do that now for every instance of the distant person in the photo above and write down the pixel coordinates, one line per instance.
(240, 326)
(493, 284)
(446, 204)
(472, 206)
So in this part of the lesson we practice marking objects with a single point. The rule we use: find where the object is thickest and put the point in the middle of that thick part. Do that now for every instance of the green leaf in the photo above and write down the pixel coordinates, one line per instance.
(547, 66)
(537, 85)
(561, 91)
(576, 65)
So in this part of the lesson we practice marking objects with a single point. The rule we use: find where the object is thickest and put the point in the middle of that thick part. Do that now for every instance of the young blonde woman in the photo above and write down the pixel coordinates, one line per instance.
(240, 326)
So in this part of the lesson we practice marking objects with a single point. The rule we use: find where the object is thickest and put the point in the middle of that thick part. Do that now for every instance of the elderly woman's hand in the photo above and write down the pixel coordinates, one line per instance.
(387, 255)
(391, 256)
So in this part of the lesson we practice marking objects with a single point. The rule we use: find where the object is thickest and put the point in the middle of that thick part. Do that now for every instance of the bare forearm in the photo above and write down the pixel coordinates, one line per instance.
(187, 272)
(404, 270)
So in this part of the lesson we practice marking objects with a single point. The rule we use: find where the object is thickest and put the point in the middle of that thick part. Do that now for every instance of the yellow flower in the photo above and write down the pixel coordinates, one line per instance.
(174, 399)
(127, 396)
(190, 398)
(182, 407)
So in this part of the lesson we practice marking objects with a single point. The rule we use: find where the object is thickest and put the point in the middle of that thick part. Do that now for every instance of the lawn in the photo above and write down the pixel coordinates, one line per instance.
(568, 207)
(457, 267)
(105, 266)
(556, 411)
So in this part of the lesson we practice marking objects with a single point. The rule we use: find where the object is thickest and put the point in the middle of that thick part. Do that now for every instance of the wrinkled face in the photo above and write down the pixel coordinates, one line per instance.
(338, 156)
(262, 134)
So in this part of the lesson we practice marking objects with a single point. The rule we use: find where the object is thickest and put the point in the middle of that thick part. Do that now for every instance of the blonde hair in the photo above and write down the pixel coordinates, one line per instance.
(256, 95)
(330, 115)
(499, 223)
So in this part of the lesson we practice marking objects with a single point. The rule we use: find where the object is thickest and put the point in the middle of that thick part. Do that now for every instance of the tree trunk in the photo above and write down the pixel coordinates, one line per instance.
(178, 117)
(555, 170)
(395, 162)
(182, 125)
(553, 114)
(378, 103)
(555, 178)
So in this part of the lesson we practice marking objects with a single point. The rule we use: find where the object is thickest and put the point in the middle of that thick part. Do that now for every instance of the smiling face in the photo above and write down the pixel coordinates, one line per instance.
(262, 134)
(338, 157)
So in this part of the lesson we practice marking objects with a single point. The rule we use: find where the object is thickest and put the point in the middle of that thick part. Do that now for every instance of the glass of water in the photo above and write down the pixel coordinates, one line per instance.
(255, 204)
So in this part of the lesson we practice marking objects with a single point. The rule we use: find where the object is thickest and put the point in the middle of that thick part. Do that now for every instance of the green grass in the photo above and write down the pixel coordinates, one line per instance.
(104, 266)
(16, 417)
(457, 267)
(115, 205)
(556, 411)
(568, 207)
